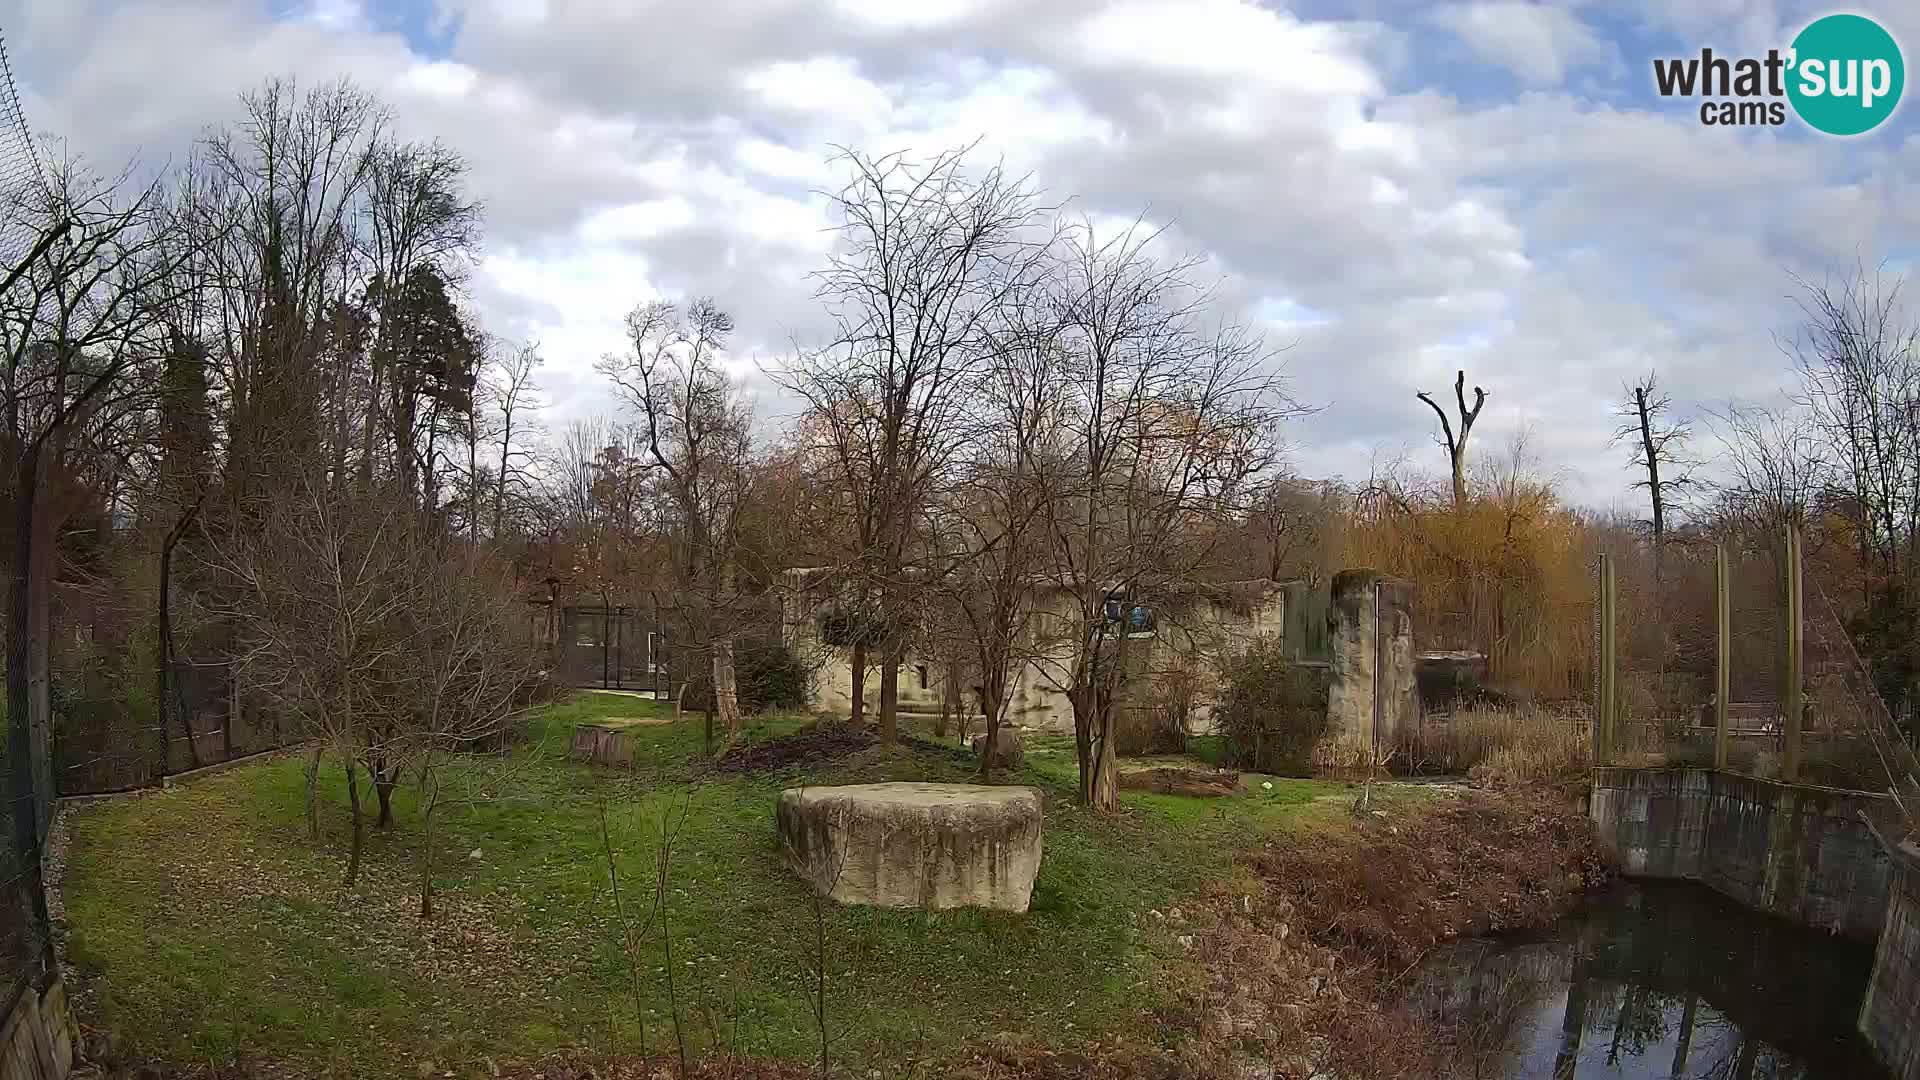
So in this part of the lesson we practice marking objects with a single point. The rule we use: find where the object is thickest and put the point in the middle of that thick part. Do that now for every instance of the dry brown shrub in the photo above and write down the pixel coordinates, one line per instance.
(1471, 864)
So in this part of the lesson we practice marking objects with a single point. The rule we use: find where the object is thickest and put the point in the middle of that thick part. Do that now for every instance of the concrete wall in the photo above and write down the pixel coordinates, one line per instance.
(1355, 620)
(1890, 1015)
(1795, 851)
(1190, 634)
(36, 1039)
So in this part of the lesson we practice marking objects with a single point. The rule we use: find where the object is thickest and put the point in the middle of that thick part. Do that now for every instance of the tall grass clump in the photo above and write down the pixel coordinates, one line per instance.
(1497, 745)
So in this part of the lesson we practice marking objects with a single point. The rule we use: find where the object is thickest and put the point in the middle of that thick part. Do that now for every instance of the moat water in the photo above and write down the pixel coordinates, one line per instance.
(1667, 980)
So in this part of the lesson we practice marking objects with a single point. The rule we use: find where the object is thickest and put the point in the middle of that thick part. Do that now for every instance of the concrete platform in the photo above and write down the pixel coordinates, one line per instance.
(915, 845)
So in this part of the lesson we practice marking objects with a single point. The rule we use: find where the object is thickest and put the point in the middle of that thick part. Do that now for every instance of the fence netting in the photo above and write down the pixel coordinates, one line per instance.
(26, 946)
(1668, 639)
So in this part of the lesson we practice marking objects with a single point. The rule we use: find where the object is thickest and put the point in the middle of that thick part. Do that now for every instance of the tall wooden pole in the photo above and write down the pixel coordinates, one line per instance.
(1795, 689)
(1723, 655)
(1603, 721)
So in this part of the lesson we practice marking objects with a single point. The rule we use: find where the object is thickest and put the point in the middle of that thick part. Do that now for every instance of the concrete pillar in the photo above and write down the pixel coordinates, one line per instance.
(1370, 622)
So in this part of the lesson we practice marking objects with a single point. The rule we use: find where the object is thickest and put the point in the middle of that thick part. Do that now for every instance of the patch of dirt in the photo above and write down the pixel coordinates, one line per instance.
(1174, 781)
(573, 1065)
(818, 744)
(812, 744)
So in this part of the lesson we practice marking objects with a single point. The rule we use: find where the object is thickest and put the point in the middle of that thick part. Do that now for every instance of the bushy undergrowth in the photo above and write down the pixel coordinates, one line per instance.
(1302, 961)
(1273, 711)
(768, 677)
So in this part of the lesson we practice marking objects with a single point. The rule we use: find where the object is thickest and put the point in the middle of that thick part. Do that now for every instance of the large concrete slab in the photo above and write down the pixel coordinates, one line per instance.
(916, 845)
(1890, 1013)
(1797, 851)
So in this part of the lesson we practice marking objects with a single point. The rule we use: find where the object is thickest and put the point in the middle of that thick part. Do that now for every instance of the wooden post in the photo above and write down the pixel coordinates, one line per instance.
(1723, 655)
(1795, 688)
(1603, 721)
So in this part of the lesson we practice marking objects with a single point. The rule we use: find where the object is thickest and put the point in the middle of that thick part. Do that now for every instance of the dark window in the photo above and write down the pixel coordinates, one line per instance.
(922, 669)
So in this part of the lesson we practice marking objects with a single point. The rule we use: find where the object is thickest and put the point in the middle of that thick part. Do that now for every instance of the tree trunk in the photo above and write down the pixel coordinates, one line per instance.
(990, 698)
(890, 695)
(430, 788)
(359, 823)
(857, 710)
(1081, 698)
(726, 693)
(949, 701)
(383, 791)
(383, 771)
(164, 696)
(313, 795)
(726, 690)
(1651, 452)
(1104, 792)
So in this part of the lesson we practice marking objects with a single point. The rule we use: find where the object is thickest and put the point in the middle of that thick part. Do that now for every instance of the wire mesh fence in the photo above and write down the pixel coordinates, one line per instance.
(1798, 702)
(26, 940)
(22, 180)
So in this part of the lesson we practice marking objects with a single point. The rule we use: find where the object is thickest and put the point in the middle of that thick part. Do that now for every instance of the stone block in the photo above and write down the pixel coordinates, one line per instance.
(915, 845)
(1008, 750)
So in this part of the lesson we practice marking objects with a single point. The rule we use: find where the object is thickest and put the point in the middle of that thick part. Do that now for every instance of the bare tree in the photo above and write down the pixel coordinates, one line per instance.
(1659, 449)
(420, 227)
(1775, 465)
(328, 589)
(293, 174)
(1165, 423)
(1456, 445)
(1857, 354)
(81, 331)
(509, 389)
(695, 431)
(990, 522)
(598, 492)
(1295, 525)
(461, 682)
(928, 253)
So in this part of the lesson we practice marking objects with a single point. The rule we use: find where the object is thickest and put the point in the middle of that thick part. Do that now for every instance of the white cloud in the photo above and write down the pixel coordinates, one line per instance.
(1390, 232)
(1539, 42)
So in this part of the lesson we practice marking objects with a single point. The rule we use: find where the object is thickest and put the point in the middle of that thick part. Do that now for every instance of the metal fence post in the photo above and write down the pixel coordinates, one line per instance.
(1795, 642)
(1604, 718)
(1723, 654)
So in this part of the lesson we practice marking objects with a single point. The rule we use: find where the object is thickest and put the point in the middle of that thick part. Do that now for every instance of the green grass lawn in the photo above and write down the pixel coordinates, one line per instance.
(207, 926)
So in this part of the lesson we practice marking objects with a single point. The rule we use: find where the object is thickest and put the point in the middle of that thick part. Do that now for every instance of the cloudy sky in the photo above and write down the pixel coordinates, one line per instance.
(1392, 188)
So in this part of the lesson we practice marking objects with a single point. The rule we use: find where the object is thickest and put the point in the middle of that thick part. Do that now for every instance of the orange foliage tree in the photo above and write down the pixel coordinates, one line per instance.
(1505, 572)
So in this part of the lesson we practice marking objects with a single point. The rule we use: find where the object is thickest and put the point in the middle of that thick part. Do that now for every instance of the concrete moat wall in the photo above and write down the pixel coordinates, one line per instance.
(1795, 851)
(1890, 1015)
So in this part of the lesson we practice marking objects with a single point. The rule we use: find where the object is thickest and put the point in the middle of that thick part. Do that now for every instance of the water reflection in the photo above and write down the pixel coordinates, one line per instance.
(1655, 980)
